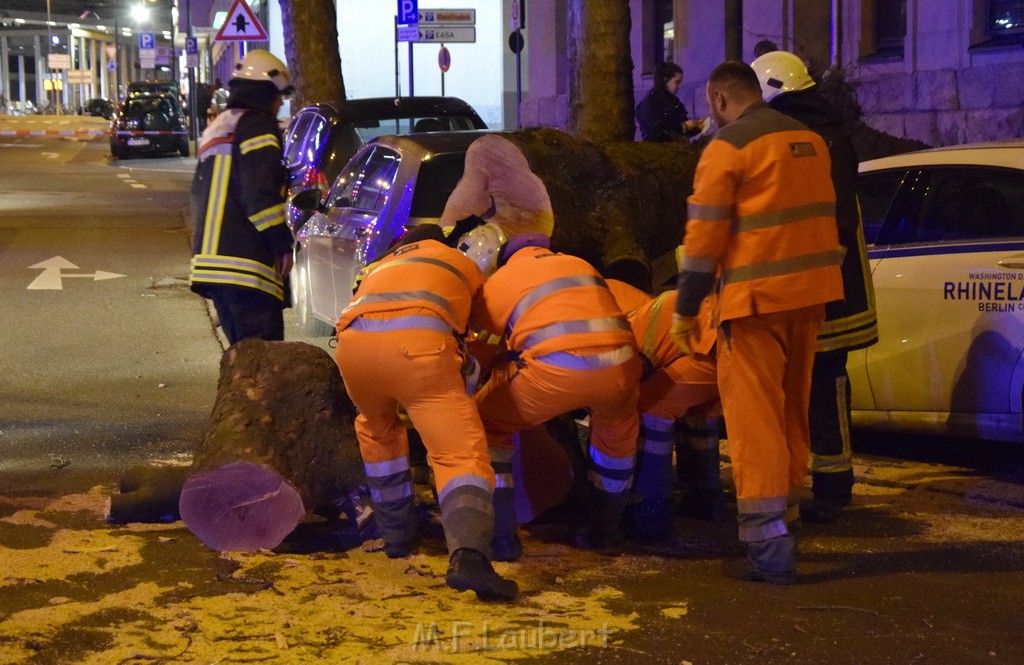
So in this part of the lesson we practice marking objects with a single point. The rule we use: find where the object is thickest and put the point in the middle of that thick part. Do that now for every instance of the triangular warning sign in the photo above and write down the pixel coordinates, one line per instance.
(241, 25)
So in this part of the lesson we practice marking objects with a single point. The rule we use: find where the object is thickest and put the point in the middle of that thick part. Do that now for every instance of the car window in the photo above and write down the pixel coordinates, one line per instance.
(876, 192)
(295, 139)
(971, 203)
(343, 142)
(434, 184)
(370, 129)
(367, 184)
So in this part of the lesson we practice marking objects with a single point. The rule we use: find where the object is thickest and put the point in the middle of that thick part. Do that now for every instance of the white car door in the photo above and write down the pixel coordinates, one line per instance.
(949, 286)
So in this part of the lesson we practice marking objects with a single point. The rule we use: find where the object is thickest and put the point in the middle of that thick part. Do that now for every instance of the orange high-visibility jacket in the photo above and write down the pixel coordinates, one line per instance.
(424, 275)
(546, 302)
(761, 220)
(651, 321)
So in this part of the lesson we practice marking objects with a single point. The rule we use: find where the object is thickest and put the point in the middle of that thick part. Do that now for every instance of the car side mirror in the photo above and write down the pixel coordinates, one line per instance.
(308, 200)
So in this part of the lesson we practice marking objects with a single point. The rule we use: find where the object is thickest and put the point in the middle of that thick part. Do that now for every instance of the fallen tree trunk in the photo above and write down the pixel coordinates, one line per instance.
(619, 205)
(281, 443)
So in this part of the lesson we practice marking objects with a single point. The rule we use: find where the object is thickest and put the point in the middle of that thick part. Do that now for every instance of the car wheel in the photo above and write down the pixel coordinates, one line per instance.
(302, 302)
(183, 148)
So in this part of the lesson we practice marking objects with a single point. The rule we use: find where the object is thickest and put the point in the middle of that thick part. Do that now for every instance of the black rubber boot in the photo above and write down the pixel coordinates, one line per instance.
(469, 569)
(698, 469)
(606, 509)
(505, 543)
(820, 511)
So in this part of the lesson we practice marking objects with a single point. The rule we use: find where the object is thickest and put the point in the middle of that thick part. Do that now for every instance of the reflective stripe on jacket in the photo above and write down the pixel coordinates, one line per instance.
(547, 302)
(238, 212)
(651, 321)
(425, 275)
(761, 220)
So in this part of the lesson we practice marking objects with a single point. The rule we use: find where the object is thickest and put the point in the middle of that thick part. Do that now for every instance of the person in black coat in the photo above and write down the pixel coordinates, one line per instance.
(849, 323)
(660, 115)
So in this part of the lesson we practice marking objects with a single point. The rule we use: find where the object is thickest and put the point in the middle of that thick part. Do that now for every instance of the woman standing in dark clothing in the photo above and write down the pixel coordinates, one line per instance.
(661, 116)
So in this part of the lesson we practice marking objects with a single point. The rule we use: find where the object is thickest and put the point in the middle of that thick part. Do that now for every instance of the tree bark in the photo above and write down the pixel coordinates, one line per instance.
(600, 70)
(621, 206)
(281, 442)
(311, 47)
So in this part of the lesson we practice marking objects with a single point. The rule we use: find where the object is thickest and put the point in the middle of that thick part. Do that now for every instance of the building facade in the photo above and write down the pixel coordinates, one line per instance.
(939, 71)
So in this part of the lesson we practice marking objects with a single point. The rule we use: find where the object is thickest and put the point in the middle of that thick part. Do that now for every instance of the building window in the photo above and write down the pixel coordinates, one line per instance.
(1005, 17)
(664, 31)
(890, 27)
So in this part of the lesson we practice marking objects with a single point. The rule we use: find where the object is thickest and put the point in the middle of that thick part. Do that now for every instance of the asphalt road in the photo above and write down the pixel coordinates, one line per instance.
(101, 372)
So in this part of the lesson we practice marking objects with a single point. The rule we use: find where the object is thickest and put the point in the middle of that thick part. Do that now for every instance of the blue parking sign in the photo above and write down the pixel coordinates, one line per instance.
(408, 12)
(147, 40)
(191, 45)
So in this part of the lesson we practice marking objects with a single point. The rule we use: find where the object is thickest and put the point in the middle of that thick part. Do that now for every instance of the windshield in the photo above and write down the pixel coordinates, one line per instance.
(136, 108)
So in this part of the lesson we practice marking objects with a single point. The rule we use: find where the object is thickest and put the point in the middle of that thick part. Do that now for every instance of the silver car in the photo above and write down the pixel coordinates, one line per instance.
(392, 183)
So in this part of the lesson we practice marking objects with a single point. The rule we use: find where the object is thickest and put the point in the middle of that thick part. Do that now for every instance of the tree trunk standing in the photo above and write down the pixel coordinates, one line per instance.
(281, 442)
(311, 46)
(600, 70)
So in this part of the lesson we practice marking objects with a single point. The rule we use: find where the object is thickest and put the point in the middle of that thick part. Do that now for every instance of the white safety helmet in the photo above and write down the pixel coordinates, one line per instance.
(781, 71)
(483, 245)
(258, 65)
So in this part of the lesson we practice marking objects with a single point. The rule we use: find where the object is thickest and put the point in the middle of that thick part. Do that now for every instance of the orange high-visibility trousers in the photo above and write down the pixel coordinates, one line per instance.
(418, 369)
(678, 387)
(517, 398)
(764, 376)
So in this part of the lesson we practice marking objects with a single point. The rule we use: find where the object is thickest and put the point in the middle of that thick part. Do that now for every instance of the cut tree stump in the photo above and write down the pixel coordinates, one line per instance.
(281, 443)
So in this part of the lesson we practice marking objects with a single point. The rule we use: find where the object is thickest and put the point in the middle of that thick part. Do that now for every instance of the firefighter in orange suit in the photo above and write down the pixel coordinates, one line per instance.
(570, 347)
(674, 385)
(399, 343)
(761, 230)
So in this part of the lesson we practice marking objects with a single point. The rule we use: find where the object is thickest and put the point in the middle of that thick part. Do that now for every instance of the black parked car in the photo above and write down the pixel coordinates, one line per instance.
(320, 139)
(98, 107)
(149, 123)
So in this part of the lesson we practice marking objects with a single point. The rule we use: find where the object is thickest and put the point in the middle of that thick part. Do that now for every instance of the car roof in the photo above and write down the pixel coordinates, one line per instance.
(433, 142)
(1007, 154)
(387, 108)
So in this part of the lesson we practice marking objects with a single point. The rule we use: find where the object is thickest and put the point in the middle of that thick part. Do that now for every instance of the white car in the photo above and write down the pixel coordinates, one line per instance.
(945, 229)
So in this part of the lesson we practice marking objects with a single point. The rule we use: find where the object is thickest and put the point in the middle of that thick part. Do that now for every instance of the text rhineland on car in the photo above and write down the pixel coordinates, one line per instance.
(393, 182)
(945, 229)
(320, 140)
(149, 123)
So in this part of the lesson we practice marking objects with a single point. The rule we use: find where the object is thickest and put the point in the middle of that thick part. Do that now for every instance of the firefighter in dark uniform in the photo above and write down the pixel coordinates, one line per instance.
(850, 323)
(241, 244)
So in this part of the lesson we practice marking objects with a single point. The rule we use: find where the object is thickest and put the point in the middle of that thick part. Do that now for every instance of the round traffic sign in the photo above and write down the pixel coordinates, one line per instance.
(444, 59)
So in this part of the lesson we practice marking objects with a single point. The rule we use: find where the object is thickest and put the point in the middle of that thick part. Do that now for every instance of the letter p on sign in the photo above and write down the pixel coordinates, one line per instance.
(408, 12)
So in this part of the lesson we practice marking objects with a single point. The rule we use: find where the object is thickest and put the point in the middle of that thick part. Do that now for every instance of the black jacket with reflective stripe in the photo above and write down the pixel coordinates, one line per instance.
(238, 195)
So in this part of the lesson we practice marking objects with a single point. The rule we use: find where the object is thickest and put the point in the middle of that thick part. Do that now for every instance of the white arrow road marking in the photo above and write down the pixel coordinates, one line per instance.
(51, 277)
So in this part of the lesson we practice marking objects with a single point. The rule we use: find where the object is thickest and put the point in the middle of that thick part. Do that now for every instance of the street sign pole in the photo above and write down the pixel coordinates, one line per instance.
(411, 90)
(443, 70)
(193, 117)
(398, 80)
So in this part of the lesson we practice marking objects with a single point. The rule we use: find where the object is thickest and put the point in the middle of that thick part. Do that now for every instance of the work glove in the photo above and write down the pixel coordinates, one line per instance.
(682, 328)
